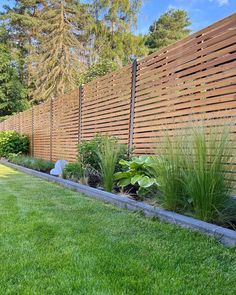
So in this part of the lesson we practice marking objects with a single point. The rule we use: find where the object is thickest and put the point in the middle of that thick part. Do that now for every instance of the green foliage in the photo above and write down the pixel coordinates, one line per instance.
(60, 56)
(138, 171)
(196, 173)
(169, 28)
(210, 174)
(87, 152)
(13, 94)
(168, 170)
(113, 23)
(88, 156)
(13, 142)
(98, 69)
(32, 163)
(23, 24)
(108, 155)
(73, 171)
(122, 47)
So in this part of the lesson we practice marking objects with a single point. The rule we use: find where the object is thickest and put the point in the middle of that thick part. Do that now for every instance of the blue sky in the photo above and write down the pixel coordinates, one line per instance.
(201, 12)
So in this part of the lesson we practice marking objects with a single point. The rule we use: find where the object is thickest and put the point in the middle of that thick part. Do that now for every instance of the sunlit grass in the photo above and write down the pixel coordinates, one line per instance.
(56, 241)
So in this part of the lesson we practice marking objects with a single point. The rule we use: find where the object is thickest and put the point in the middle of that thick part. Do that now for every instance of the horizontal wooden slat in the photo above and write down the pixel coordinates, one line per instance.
(191, 81)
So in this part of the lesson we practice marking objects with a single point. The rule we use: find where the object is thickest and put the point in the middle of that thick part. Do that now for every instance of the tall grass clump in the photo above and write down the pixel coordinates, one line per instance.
(208, 176)
(108, 154)
(168, 170)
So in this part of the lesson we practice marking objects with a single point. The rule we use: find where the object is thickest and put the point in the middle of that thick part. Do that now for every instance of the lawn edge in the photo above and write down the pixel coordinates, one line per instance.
(225, 236)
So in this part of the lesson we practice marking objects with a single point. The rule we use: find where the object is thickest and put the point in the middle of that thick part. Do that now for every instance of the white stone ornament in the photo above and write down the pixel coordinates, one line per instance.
(59, 166)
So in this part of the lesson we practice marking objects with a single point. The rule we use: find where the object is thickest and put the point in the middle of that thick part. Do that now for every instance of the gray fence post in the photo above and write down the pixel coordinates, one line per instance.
(51, 127)
(81, 93)
(132, 105)
(32, 122)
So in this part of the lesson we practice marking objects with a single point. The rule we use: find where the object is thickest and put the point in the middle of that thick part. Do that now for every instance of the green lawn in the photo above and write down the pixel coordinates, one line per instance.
(55, 241)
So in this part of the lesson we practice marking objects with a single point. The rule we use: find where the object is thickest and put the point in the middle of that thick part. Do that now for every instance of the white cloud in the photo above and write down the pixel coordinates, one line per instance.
(170, 6)
(221, 2)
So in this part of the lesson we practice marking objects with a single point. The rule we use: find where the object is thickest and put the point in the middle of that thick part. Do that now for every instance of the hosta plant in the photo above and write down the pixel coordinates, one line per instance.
(138, 172)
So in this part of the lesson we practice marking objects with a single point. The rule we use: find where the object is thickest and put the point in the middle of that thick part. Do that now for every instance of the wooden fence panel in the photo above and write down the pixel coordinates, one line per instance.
(42, 130)
(10, 123)
(65, 127)
(169, 91)
(106, 106)
(27, 126)
(2, 126)
(193, 79)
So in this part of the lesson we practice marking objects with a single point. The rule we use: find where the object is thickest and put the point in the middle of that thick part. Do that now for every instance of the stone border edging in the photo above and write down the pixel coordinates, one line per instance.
(224, 235)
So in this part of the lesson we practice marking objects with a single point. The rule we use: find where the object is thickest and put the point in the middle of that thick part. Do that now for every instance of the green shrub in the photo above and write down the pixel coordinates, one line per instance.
(73, 171)
(195, 173)
(168, 169)
(138, 172)
(32, 163)
(88, 153)
(209, 175)
(13, 142)
(108, 154)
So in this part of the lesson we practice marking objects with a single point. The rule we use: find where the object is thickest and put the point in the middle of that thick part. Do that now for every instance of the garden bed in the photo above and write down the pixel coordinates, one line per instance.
(223, 235)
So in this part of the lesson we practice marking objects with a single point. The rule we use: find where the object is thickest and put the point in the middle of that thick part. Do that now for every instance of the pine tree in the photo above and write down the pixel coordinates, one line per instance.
(169, 28)
(13, 95)
(22, 22)
(115, 20)
(62, 54)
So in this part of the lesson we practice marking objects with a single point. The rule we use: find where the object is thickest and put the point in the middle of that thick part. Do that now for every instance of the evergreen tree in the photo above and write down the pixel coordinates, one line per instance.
(98, 69)
(169, 28)
(113, 39)
(13, 95)
(62, 54)
(22, 23)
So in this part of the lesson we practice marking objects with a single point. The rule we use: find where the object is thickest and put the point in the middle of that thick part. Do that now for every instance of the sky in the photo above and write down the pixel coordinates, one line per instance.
(202, 12)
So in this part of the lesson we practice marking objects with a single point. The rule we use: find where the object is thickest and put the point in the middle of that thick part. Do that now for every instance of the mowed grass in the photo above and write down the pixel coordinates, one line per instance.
(56, 241)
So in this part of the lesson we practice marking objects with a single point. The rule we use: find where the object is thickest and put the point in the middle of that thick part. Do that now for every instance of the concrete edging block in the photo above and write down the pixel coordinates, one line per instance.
(223, 235)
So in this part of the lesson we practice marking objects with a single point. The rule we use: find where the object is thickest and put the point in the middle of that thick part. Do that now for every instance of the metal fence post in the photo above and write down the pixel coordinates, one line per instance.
(132, 105)
(51, 127)
(81, 92)
(32, 122)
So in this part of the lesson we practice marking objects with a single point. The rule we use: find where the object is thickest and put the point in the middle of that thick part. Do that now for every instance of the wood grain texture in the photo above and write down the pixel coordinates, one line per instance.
(190, 82)
(184, 84)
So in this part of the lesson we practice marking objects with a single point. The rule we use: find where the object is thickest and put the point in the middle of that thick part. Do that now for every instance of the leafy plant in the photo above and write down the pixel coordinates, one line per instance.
(108, 155)
(88, 153)
(32, 163)
(13, 142)
(209, 176)
(168, 168)
(101, 68)
(13, 93)
(138, 171)
(93, 176)
(73, 171)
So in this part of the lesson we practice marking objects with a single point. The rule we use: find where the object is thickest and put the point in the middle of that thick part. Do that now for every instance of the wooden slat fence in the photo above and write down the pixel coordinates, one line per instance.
(65, 126)
(106, 106)
(191, 80)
